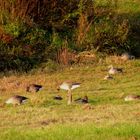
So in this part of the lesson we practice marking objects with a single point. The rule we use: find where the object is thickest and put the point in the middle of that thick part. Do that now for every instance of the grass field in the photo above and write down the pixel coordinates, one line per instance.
(109, 116)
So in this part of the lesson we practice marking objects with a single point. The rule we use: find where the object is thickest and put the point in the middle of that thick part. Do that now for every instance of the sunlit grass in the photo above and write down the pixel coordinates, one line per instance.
(42, 117)
(75, 132)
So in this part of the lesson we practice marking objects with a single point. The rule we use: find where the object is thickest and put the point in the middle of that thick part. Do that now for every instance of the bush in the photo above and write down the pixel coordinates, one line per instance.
(105, 32)
(14, 29)
(33, 32)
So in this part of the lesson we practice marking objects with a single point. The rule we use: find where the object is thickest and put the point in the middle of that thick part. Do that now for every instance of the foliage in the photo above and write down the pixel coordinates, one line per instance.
(50, 67)
(32, 32)
(14, 29)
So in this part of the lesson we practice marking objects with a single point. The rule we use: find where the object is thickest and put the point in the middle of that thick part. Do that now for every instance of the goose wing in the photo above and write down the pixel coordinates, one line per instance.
(65, 86)
(75, 85)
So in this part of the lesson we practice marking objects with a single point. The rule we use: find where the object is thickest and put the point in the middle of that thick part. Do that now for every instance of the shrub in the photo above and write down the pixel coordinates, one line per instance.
(33, 32)
(15, 29)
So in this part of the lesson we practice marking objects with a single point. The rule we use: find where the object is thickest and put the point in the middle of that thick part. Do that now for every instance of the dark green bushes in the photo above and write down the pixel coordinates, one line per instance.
(33, 32)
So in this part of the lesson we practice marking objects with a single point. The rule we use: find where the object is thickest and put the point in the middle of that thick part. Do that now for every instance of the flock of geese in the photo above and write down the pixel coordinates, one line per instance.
(69, 86)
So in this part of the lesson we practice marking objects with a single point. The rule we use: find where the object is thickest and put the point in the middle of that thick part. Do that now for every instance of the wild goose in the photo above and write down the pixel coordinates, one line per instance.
(82, 100)
(16, 100)
(33, 88)
(127, 56)
(69, 86)
(132, 97)
(113, 70)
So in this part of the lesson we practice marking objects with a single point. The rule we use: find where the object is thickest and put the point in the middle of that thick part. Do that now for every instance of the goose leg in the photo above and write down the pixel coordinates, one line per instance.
(69, 97)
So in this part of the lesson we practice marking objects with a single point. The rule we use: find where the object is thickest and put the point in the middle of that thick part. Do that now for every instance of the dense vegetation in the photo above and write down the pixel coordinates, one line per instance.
(33, 32)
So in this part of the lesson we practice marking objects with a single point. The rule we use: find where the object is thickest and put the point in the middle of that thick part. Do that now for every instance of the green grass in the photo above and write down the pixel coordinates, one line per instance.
(75, 132)
(127, 6)
(110, 117)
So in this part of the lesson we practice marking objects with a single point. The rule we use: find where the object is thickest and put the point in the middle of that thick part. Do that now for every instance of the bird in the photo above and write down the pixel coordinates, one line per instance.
(16, 100)
(57, 97)
(82, 100)
(132, 97)
(127, 56)
(108, 77)
(113, 70)
(69, 86)
(33, 88)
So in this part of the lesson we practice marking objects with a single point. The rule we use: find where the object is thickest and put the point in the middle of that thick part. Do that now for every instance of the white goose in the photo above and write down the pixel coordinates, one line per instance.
(69, 86)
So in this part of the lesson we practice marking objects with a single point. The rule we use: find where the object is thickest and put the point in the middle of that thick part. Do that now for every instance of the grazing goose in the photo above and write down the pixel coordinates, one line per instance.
(108, 77)
(82, 100)
(57, 97)
(113, 70)
(69, 86)
(16, 100)
(33, 88)
(132, 97)
(126, 56)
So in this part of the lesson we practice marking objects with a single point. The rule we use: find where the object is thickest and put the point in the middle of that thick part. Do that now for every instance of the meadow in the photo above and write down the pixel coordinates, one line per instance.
(23, 47)
(107, 115)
